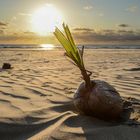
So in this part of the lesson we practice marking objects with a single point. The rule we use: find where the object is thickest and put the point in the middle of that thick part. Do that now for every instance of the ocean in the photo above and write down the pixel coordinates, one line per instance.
(54, 47)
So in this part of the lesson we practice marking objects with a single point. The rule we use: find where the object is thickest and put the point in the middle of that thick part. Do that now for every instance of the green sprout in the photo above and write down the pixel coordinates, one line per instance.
(73, 53)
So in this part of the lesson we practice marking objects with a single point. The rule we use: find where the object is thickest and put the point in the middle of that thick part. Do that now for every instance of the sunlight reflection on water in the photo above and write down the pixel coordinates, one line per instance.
(47, 46)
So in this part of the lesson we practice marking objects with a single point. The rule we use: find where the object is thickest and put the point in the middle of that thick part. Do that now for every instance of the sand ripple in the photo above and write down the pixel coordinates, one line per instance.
(36, 95)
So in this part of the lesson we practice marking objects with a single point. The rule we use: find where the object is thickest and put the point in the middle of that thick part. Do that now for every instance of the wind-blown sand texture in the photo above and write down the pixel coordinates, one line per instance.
(36, 95)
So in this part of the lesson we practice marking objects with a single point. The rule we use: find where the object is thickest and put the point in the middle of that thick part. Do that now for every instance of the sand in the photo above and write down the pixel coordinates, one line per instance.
(36, 95)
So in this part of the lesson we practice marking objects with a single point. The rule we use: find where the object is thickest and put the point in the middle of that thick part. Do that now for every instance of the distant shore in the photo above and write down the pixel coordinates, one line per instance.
(57, 47)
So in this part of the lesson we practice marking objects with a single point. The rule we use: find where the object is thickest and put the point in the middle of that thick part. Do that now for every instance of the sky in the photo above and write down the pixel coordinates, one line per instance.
(90, 21)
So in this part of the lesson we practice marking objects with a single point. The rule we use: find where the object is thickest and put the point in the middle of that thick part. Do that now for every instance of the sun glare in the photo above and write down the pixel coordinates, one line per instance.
(45, 19)
(47, 46)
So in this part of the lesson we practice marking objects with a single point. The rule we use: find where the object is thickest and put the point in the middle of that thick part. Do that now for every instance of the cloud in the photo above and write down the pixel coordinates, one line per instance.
(123, 25)
(13, 18)
(83, 30)
(125, 32)
(26, 38)
(88, 7)
(3, 27)
(3, 24)
(24, 14)
(1, 32)
(29, 33)
(107, 36)
(101, 14)
(81, 36)
(132, 9)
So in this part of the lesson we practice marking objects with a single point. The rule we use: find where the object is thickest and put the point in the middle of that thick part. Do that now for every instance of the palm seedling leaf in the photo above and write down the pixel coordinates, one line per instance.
(68, 43)
(74, 53)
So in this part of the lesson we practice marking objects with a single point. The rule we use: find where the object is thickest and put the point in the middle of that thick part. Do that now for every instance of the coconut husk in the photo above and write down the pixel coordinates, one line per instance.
(102, 101)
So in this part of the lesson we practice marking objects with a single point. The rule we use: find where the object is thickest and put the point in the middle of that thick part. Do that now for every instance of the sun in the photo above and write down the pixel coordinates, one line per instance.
(45, 19)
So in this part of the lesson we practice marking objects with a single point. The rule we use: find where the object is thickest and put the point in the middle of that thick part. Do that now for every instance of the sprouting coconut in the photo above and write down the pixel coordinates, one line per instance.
(93, 97)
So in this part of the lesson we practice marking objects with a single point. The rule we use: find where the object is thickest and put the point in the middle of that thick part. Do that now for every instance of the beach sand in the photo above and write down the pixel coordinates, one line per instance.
(36, 95)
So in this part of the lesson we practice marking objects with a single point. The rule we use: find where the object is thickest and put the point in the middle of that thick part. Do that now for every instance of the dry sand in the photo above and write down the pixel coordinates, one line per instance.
(36, 95)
